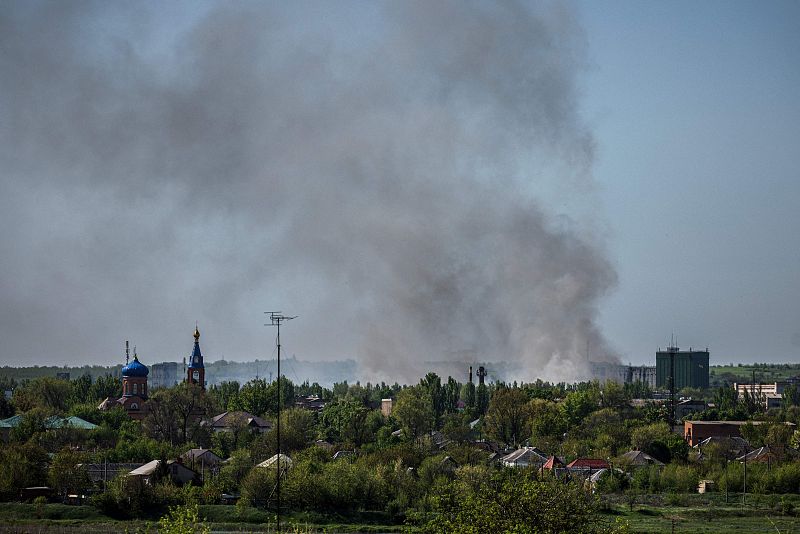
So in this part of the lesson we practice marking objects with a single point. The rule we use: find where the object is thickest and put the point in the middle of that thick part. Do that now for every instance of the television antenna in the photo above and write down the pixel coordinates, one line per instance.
(276, 319)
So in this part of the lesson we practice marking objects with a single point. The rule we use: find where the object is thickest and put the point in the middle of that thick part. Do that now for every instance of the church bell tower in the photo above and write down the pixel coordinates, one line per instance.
(196, 373)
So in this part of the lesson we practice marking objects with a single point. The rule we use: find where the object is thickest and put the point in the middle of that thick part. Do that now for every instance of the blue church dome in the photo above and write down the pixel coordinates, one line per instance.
(135, 368)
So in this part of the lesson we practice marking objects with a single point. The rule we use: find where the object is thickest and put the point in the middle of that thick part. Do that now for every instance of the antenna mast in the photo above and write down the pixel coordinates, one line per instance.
(672, 350)
(276, 318)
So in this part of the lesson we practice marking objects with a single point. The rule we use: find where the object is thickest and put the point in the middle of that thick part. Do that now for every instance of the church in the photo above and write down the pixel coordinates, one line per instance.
(134, 381)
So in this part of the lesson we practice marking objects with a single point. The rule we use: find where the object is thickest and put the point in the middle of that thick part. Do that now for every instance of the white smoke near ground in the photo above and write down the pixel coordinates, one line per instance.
(377, 168)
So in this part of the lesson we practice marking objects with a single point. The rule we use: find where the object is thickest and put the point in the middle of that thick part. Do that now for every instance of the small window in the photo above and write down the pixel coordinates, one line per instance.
(136, 389)
(134, 406)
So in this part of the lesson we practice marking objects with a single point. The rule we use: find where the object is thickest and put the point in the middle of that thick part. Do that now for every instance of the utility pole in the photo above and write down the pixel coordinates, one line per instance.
(744, 486)
(276, 318)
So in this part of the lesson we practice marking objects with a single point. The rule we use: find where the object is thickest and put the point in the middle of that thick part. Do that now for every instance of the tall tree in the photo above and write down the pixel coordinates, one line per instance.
(507, 417)
(260, 398)
(578, 404)
(414, 411)
(450, 394)
(106, 386)
(253, 397)
(344, 421)
(48, 393)
(791, 395)
(224, 395)
(81, 390)
(432, 384)
(175, 413)
(468, 395)
(68, 473)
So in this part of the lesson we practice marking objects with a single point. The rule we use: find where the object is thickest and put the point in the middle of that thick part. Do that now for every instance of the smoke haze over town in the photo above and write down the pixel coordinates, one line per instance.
(415, 181)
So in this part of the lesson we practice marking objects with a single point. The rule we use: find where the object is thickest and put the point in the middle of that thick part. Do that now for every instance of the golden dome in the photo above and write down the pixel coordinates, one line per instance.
(196, 333)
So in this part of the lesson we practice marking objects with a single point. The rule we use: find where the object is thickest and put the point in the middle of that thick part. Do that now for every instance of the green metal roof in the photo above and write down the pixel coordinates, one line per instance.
(72, 421)
(53, 421)
(11, 422)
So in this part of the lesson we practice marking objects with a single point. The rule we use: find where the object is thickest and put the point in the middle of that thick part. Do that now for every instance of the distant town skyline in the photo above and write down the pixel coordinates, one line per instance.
(522, 181)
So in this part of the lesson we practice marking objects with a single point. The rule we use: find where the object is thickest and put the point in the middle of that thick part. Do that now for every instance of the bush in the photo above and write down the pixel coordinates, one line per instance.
(127, 497)
(676, 499)
(679, 478)
(39, 503)
(182, 520)
(785, 479)
(610, 482)
(512, 502)
(787, 506)
(647, 479)
(257, 487)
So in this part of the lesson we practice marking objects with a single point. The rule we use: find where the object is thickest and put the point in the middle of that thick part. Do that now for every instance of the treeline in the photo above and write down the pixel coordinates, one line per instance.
(12, 375)
(432, 462)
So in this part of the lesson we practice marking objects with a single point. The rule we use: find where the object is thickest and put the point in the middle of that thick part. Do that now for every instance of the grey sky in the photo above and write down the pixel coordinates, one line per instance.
(412, 179)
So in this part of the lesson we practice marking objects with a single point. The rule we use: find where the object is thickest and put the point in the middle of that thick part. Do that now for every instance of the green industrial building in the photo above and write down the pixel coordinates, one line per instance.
(691, 368)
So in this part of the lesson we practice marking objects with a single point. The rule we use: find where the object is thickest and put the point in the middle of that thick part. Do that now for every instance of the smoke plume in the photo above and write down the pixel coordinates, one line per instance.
(379, 169)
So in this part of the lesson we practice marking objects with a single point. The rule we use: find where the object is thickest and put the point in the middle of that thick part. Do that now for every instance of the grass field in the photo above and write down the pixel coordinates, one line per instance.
(706, 513)
(704, 520)
(763, 373)
(696, 514)
(60, 518)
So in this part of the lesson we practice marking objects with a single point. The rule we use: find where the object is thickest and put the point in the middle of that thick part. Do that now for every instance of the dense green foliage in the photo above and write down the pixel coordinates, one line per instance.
(430, 463)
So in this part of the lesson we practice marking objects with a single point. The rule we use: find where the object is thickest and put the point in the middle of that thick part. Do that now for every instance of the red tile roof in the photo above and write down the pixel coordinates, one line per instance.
(552, 463)
(588, 463)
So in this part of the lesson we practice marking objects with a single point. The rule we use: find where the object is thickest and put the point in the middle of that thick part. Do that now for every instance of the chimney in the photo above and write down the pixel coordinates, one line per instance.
(470, 374)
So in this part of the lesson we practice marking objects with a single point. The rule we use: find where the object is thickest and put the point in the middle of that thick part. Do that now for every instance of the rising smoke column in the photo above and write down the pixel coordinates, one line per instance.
(378, 167)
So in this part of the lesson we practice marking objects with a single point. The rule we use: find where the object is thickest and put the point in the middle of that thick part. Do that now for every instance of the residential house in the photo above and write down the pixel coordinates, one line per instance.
(233, 421)
(202, 460)
(439, 440)
(102, 473)
(638, 459)
(525, 457)
(286, 462)
(448, 464)
(555, 466)
(730, 448)
(586, 467)
(762, 455)
(151, 472)
(310, 402)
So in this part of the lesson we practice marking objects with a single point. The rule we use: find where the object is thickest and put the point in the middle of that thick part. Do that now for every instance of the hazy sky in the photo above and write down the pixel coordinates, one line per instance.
(417, 181)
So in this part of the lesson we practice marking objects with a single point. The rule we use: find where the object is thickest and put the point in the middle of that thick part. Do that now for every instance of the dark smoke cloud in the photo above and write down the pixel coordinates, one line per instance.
(374, 168)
